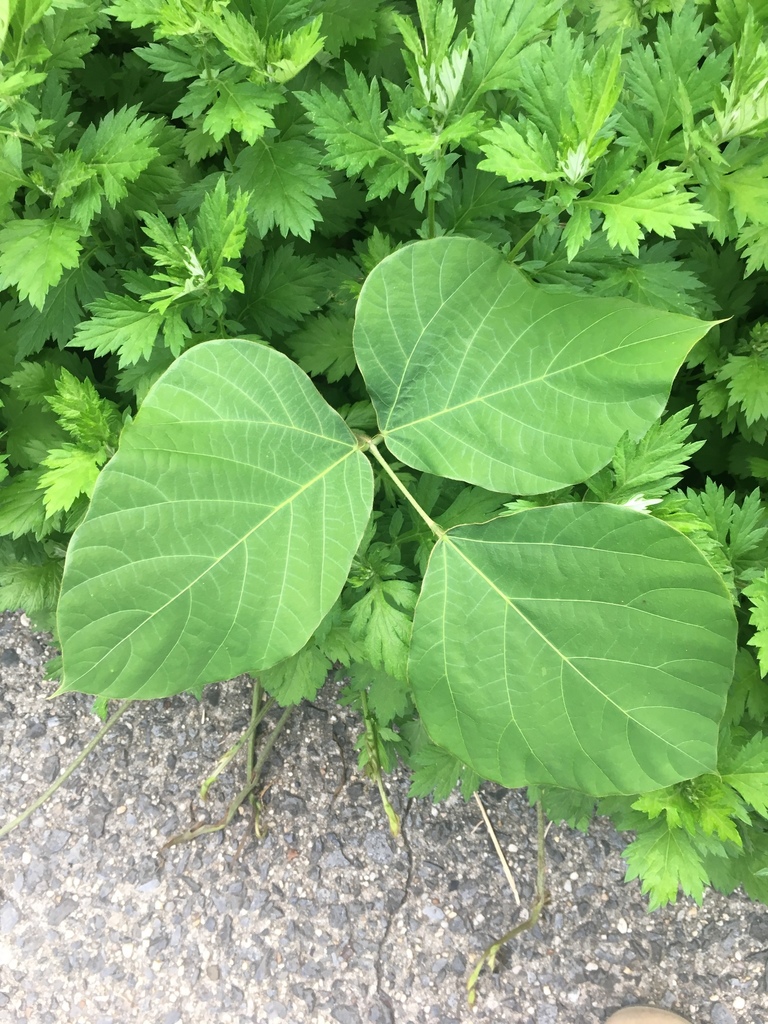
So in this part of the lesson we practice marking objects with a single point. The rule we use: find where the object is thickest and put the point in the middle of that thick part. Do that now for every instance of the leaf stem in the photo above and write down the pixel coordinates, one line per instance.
(256, 698)
(227, 757)
(431, 215)
(374, 765)
(242, 795)
(11, 825)
(526, 238)
(373, 449)
(489, 956)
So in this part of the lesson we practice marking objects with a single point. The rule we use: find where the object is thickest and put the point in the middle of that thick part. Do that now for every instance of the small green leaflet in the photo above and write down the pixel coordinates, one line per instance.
(118, 150)
(324, 346)
(286, 184)
(281, 289)
(297, 678)
(388, 696)
(501, 30)
(757, 593)
(435, 772)
(34, 253)
(649, 467)
(381, 620)
(71, 471)
(651, 201)
(746, 769)
(121, 325)
(21, 505)
(519, 152)
(33, 586)
(666, 860)
(352, 127)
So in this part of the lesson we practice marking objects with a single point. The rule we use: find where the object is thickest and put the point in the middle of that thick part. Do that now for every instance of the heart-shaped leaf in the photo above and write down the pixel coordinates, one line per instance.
(479, 375)
(584, 646)
(221, 532)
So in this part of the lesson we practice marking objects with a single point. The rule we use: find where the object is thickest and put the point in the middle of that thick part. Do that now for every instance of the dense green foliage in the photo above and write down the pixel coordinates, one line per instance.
(186, 170)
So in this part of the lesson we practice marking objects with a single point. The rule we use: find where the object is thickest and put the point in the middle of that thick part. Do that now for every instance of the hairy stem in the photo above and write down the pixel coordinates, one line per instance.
(489, 956)
(68, 771)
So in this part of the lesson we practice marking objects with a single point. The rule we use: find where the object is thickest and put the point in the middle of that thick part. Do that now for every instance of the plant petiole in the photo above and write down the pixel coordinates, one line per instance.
(249, 736)
(374, 765)
(489, 956)
(11, 825)
(240, 797)
(373, 449)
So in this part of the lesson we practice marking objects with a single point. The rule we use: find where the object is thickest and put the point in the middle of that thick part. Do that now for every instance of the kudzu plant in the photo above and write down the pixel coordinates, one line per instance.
(581, 645)
(440, 211)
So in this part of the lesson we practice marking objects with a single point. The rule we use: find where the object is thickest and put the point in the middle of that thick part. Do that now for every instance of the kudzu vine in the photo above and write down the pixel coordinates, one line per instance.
(582, 645)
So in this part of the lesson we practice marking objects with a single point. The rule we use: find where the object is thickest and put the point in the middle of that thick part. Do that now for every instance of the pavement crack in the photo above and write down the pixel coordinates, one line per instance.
(378, 965)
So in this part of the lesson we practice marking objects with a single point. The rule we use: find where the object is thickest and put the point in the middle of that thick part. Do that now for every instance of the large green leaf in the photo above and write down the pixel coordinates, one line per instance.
(221, 532)
(478, 375)
(584, 646)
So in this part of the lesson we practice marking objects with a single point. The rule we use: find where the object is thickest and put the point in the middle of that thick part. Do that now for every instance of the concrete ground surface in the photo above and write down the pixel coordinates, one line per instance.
(328, 920)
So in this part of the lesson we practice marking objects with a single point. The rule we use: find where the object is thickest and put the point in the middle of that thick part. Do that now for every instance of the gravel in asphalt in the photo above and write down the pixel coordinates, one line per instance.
(327, 920)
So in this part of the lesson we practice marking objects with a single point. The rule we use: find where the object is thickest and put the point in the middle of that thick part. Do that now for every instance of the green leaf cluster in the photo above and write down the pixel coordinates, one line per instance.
(575, 347)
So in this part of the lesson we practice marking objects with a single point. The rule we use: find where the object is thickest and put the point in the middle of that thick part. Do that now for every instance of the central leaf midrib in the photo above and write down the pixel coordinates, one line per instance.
(513, 387)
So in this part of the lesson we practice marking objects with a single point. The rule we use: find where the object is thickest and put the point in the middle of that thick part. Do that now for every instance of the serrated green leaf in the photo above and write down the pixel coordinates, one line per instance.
(62, 311)
(747, 380)
(31, 586)
(519, 152)
(82, 412)
(501, 30)
(388, 696)
(71, 471)
(649, 467)
(680, 62)
(656, 279)
(195, 486)
(576, 809)
(653, 201)
(599, 631)
(286, 182)
(746, 769)
(121, 325)
(297, 678)
(666, 860)
(21, 505)
(221, 226)
(757, 593)
(119, 149)
(346, 21)
(324, 346)
(34, 253)
(381, 620)
(435, 772)
(352, 128)
(281, 289)
(242, 107)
